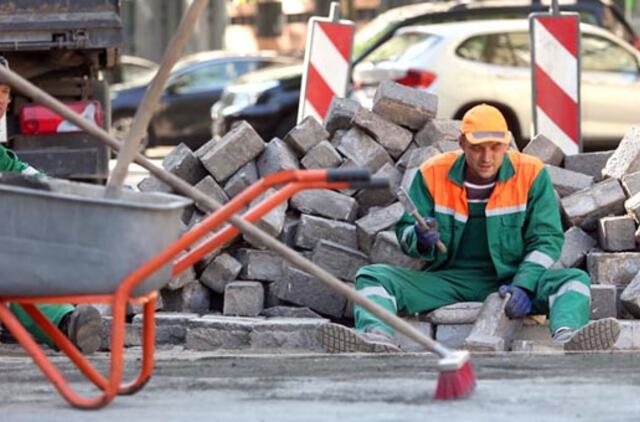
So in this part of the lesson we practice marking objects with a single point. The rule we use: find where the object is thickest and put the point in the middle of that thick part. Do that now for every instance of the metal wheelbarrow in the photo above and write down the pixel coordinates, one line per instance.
(73, 245)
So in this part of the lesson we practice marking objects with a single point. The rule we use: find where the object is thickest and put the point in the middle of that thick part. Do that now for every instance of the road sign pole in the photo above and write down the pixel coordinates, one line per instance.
(327, 63)
(555, 76)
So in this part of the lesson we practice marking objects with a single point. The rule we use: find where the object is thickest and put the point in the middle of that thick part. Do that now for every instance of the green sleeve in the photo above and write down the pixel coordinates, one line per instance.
(405, 233)
(9, 161)
(543, 235)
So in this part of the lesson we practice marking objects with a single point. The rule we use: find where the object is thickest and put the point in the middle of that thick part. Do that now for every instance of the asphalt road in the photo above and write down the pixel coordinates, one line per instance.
(192, 387)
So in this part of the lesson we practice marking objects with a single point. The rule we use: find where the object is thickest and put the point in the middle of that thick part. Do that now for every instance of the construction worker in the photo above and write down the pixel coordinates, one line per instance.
(496, 212)
(82, 324)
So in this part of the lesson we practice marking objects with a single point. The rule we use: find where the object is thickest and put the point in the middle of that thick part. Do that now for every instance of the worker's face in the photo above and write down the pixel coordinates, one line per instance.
(483, 160)
(5, 98)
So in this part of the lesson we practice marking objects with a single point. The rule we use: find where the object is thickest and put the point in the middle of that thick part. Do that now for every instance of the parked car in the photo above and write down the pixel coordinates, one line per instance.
(129, 69)
(377, 32)
(468, 63)
(195, 83)
(266, 99)
(603, 13)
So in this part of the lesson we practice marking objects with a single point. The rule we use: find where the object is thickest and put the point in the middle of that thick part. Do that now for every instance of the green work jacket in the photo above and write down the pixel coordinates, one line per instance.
(524, 233)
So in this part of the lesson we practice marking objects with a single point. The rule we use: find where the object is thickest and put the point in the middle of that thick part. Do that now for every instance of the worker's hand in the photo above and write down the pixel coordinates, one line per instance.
(427, 237)
(519, 305)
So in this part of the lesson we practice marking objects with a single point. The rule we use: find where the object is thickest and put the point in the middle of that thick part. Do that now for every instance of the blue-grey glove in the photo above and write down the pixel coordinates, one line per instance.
(519, 305)
(427, 237)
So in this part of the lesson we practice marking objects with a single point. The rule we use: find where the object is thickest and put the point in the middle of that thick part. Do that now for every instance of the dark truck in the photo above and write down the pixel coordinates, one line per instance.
(61, 46)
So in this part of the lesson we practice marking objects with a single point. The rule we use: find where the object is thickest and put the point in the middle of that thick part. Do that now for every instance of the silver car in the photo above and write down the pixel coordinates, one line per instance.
(467, 63)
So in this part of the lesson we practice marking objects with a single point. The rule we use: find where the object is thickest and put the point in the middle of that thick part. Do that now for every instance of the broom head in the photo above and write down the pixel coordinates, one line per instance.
(457, 378)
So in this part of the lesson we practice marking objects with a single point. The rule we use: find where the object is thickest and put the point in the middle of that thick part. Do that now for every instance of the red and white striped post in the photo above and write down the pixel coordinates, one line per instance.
(555, 75)
(327, 64)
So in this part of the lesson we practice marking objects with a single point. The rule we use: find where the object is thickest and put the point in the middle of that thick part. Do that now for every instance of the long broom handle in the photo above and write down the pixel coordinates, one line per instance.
(245, 227)
(150, 100)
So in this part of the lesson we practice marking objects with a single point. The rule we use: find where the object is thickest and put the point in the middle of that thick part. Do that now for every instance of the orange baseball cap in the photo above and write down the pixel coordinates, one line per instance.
(485, 123)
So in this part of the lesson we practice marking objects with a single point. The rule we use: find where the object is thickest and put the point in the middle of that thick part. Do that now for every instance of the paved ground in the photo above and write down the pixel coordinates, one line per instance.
(192, 387)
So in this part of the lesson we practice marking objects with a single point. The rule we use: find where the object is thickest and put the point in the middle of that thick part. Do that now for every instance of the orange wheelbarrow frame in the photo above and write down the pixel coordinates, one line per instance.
(291, 181)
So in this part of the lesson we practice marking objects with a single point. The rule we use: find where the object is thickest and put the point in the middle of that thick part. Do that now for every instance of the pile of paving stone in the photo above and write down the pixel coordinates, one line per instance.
(245, 296)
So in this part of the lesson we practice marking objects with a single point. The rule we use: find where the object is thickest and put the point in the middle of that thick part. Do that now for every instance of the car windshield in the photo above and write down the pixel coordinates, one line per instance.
(405, 45)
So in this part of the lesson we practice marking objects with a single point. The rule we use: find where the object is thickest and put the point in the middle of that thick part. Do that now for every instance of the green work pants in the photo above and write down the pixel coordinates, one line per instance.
(562, 294)
(54, 313)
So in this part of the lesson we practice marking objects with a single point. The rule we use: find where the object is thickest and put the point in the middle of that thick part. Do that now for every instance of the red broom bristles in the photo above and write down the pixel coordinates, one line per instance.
(457, 379)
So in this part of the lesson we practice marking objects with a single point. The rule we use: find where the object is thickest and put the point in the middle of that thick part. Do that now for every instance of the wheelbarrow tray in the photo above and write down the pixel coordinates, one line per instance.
(72, 240)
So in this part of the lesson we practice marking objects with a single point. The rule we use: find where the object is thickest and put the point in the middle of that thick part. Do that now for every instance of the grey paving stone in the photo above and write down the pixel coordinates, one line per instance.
(453, 335)
(243, 298)
(404, 106)
(438, 130)
(409, 345)
(132, 334)
(632, 206)
(217, 332)
(567, 182)
(193, 297)
(181, 162)
(631, 183)
(303, 289)
(603, 301)
(241, 179)
(577, 243)
(239, 146)
(340, 261)
(289, 312)
(386, 250)
(492, 331)
(376, 221)
(630, 296)
(325, 203)
(545, 149)
(356, 145)
(340, 114)
(321, 156)
(287, 334)
(395, 139)
(458, 313)
(305, 136)
(613, 268)
(260, 265)
(626, 158)
(212, 189)
(272, 222)
(629, 336)
(180, 280)
(277, 156)
(421, 155)
(617, 234)
(311, 229)
(368, 198)
(221, 271)
(589, 163)
(585, 207)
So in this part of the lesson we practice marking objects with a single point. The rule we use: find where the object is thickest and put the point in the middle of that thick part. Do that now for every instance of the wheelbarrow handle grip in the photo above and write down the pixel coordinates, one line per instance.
(374, 183)
(348, 175)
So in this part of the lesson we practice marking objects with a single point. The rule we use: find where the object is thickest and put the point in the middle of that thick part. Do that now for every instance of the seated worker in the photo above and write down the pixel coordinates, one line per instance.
(496, 212)
(82, 324)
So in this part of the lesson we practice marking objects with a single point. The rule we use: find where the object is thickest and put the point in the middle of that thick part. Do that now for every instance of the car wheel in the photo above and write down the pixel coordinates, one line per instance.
(120, 127)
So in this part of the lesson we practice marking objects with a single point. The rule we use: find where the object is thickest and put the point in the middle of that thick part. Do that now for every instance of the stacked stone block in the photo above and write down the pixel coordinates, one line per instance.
(342, 230)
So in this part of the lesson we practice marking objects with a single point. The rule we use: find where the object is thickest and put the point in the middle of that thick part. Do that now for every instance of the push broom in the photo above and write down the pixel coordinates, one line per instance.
(456, 375)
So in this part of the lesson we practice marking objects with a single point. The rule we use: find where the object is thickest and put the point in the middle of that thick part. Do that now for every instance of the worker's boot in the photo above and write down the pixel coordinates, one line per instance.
(336, 338)
(600, 334)
(83, 326)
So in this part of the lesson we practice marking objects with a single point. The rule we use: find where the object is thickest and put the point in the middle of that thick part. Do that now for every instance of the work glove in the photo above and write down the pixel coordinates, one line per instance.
(427, 237)
(519, 305)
